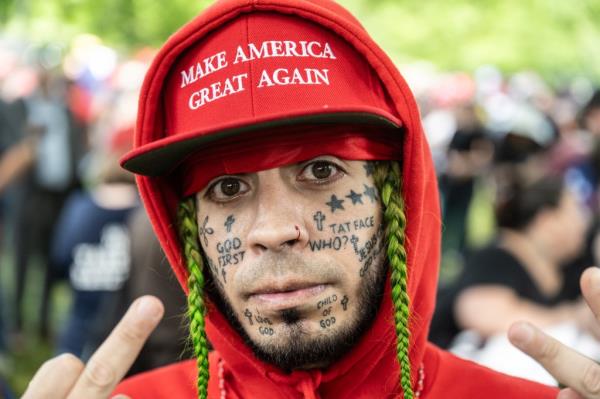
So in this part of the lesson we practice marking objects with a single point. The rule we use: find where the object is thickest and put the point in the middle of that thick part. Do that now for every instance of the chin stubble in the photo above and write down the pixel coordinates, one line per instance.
(296, 348)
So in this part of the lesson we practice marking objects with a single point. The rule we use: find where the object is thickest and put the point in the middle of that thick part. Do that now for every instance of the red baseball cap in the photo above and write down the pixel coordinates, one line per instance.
(263, 72)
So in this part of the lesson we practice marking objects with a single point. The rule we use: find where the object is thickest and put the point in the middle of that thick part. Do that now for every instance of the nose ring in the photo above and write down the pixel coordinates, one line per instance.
(298, 230)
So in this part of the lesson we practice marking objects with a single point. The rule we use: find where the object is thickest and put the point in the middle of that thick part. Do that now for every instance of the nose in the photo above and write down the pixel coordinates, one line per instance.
(278, 225)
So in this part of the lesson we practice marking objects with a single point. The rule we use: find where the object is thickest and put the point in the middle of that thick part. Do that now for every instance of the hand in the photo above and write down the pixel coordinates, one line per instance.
(65, 376)
(580, 374)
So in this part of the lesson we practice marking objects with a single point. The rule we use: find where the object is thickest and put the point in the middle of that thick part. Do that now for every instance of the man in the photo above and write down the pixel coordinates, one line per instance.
(290, 184)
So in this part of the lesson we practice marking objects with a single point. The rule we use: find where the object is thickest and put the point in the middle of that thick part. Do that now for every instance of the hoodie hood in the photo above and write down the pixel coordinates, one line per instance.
(374, 358)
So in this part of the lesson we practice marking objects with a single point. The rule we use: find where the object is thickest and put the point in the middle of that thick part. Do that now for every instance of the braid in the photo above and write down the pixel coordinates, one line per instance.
(188, 231)
(388, 181)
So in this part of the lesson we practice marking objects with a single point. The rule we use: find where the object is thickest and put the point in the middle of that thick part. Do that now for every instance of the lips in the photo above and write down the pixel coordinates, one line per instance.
(286, 295)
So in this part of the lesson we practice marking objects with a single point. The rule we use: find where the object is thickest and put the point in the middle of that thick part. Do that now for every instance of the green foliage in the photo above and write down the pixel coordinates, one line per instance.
(121, 23)
(558, 38)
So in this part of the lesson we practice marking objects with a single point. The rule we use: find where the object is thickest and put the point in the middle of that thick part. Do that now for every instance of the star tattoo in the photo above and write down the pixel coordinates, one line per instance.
(370, 192)
(335, 203)
(355, 197)
(369, 168)
(203, 231)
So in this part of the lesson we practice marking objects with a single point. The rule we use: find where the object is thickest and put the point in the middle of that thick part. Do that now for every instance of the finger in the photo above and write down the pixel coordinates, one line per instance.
(114, 357)
(566, 365)
(568, 393)
(55, 378)
(590, 287)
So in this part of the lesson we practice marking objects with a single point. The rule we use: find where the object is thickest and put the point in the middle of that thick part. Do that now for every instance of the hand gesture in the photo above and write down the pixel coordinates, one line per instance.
(580, 374)
(65, 376)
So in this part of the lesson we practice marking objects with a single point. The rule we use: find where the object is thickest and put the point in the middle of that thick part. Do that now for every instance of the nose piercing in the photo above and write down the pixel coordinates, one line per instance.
(298, 230)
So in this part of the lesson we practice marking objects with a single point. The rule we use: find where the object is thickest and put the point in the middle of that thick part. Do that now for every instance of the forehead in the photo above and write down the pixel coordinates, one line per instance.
(272, 149)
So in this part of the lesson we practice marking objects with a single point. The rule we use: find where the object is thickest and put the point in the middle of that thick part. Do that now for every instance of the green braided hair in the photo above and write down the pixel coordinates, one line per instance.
(388, 182)
(188, 232)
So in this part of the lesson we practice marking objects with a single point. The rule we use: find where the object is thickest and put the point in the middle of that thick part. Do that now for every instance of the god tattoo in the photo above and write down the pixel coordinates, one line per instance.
(369, 252)
(229, 252)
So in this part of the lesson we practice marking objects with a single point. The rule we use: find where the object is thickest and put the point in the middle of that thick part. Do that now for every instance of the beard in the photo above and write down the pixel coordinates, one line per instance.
(300, 349)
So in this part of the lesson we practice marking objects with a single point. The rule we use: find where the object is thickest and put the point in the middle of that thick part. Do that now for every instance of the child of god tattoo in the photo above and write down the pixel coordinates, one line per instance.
(325, 306)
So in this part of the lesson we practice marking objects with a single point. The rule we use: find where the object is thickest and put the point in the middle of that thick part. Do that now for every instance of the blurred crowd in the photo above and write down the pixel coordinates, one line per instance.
(69, 214)
(518, 163)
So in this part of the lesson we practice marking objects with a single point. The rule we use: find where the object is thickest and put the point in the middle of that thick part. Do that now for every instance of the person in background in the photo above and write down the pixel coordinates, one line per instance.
(251, 170)
(541, 227)
(150, 274)
(91, 245)
(48, 183)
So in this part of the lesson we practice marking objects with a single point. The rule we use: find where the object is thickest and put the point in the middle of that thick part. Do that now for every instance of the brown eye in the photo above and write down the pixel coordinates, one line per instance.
(227, 189)
(321, 170)
(230, 187)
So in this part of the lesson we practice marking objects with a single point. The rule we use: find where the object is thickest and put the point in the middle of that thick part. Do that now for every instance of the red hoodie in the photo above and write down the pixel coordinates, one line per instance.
(371, 369)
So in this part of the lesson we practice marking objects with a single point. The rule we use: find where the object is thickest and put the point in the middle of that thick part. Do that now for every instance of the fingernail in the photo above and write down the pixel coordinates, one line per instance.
(148, 308)
(522, 334)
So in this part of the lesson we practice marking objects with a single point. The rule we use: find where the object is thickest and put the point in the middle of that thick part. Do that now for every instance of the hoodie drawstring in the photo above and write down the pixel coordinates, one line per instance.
(308, 389)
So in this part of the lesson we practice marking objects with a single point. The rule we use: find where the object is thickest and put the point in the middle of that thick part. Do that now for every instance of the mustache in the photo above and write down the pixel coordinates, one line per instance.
(285, 269)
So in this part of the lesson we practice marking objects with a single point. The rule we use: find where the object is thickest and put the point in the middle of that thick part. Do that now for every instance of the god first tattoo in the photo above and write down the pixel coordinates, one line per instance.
(230, 253)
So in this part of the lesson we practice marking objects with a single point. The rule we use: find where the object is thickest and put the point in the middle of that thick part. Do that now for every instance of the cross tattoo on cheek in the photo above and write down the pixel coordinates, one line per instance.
(229, 222)
(354, 241)
(345, 302)
(248, 314)
(319, 218)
